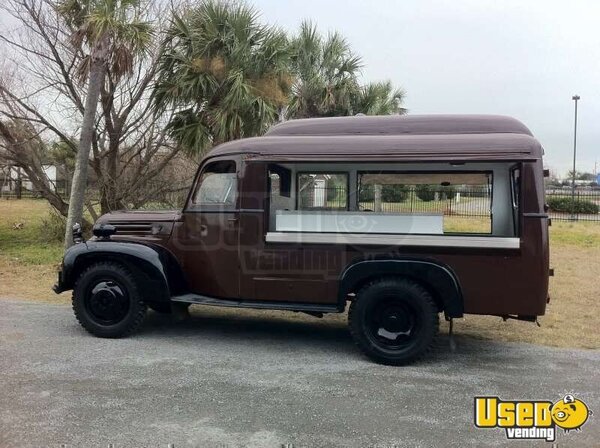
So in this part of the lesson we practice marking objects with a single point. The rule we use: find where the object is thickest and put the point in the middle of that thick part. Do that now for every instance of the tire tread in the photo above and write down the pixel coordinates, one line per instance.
(418, 289)
(140, 308)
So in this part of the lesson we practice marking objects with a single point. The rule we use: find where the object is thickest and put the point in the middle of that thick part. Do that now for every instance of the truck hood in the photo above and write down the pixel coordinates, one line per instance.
(140, 215)
(144, 224)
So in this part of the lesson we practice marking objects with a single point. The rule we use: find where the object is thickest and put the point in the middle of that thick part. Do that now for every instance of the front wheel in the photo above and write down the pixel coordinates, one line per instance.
(107, 302)
(393, 321)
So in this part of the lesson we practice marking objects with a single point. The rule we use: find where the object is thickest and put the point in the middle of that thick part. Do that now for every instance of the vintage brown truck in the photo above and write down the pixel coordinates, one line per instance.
(321, 214)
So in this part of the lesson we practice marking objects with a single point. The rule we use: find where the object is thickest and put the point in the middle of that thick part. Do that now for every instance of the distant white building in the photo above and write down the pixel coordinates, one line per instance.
(9, 177)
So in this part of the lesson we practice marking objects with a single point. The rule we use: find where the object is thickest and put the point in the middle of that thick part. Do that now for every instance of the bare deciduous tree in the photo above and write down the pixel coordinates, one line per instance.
(41, 90)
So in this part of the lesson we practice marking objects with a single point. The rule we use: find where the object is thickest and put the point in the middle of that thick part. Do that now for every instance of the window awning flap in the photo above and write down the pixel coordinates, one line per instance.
(448, 178)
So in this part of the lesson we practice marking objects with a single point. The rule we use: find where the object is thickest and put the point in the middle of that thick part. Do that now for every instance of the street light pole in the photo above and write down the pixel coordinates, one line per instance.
(573, 217)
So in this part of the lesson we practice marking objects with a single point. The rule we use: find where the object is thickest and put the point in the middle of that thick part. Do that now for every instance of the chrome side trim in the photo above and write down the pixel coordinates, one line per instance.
(485, 242)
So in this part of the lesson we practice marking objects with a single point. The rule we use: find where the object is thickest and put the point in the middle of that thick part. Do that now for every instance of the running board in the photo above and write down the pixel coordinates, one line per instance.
(284, 306)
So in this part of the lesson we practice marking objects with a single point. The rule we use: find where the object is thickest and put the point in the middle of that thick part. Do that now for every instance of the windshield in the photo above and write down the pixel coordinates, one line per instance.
(217, 185)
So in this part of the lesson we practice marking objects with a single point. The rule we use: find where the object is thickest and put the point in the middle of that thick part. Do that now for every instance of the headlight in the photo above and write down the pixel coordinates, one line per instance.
(77, 233)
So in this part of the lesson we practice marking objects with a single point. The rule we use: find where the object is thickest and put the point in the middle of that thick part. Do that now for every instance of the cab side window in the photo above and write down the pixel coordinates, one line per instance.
(217, 186)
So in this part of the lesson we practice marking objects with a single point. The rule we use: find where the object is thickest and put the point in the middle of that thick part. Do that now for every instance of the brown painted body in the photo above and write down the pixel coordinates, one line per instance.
(224, 253)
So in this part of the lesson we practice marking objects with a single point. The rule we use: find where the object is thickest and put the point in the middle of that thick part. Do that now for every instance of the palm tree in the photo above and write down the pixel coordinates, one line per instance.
(327, 80)
(326, 73)
(111, 34)
(378, 98)
(226, 74)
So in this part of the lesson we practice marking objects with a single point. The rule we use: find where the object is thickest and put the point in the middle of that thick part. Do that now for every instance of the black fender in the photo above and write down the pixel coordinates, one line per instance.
(162, 275)
(439, 279)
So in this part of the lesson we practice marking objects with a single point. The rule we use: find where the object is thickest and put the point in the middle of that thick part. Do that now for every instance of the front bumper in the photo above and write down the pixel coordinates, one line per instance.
(58, 286)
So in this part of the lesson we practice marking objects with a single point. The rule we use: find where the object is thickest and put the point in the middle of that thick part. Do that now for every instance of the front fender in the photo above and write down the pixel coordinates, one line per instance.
(154, 262)
(437, 278)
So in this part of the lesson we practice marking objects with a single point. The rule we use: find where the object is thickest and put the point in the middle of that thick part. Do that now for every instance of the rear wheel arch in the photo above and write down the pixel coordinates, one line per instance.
(437, 279)
(433, 292)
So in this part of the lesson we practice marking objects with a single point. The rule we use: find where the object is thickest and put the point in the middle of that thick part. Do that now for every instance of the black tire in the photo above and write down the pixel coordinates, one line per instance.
(393, 322)
(161, 308)
(107, 301)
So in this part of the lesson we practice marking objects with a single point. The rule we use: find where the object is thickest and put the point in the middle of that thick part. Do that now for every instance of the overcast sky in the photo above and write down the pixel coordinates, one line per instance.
(521, 58)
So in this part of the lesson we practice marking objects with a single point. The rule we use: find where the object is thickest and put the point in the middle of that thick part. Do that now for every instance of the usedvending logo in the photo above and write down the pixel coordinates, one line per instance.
(527, 420)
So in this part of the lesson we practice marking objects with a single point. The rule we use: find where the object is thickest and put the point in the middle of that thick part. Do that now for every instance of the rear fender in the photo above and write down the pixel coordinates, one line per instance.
(437, 278)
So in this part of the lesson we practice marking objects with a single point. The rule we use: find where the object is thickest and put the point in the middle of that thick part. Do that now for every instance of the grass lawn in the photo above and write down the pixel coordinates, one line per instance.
(28, 259)
(29, 256)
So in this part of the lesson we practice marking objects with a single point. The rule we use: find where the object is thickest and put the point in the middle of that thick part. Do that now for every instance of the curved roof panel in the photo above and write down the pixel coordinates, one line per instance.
(402, 125)
(407, 147)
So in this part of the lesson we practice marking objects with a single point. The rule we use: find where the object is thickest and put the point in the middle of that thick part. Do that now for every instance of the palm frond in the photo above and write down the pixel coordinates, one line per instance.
(113, 24)
(232, 71)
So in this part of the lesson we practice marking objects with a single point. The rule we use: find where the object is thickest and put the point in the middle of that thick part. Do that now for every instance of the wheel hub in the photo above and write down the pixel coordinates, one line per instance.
(395, 321)
(107, 302)
(392, 323)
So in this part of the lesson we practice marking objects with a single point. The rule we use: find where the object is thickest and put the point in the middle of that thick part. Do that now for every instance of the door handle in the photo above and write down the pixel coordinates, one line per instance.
(203, 230)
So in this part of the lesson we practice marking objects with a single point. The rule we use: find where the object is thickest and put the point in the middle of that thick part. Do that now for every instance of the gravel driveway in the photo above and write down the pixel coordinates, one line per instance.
(260, 381)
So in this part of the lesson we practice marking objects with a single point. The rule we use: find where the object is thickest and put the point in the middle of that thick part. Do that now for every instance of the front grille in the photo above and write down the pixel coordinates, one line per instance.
(133, 228)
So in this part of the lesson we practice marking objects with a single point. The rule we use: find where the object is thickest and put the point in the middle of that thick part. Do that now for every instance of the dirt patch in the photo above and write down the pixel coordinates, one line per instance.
(27, 282)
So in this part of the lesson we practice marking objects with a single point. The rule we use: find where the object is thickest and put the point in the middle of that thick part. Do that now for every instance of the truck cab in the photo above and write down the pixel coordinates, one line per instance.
(399, 218)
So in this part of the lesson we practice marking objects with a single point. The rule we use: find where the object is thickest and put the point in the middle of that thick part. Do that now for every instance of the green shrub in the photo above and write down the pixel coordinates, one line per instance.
(332, 194)
(366, 193)
(566, 205)
(389, 193)
(425, 193)
(393, 193)
(447, 193)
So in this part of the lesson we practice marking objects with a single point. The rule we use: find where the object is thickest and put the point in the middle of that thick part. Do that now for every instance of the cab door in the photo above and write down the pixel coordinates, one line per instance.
(272, 272)
(206, 239)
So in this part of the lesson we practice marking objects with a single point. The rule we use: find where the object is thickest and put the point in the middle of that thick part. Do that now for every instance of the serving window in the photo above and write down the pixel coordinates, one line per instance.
(427, 202)
(473, 199)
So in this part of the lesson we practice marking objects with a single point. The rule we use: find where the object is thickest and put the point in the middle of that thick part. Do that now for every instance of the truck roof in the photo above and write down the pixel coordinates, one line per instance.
(402, 125)
(392, 138)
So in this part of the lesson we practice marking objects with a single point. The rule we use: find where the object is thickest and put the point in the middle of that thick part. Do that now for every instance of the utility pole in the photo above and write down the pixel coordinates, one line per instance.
(575, 98)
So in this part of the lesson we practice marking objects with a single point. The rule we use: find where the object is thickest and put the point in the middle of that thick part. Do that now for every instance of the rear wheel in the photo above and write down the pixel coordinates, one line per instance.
(393, 321)
(107, 302)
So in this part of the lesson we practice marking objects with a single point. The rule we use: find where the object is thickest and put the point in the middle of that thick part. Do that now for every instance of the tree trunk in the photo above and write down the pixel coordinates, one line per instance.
(109, 185)
(19, 188)
(79, 183)
(377, 200)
